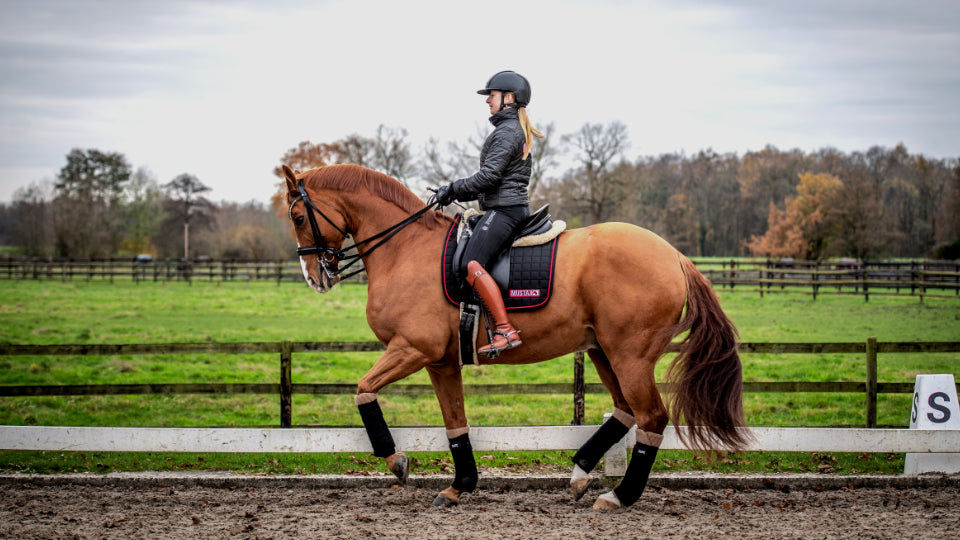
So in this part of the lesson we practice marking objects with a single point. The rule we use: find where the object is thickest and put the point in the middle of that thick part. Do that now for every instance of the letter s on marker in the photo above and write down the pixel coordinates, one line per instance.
(934, 405)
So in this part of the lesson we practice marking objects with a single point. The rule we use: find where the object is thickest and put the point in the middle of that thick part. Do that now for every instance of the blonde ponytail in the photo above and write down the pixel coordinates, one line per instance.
(528, 131)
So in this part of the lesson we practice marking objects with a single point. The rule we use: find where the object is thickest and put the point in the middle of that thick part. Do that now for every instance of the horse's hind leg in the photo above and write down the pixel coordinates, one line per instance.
(635, 375)
(607, 435)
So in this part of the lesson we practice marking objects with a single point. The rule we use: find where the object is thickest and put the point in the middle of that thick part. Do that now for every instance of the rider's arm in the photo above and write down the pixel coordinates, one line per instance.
(503, 147)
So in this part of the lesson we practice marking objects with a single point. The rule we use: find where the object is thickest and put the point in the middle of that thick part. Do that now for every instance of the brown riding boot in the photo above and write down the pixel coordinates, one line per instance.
(505, 336)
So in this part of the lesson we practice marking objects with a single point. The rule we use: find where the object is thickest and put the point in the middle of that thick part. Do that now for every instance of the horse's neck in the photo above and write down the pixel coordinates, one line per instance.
(372, 217)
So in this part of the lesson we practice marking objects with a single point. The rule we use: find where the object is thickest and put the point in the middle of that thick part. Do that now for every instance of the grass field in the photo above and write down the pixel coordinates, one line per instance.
(81, 312)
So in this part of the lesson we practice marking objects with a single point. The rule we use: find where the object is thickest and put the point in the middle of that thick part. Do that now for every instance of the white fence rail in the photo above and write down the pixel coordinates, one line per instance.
(321, 440)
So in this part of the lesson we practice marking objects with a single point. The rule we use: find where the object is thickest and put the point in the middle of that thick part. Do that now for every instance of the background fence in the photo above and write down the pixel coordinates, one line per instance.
(870, 387)
(923, 278)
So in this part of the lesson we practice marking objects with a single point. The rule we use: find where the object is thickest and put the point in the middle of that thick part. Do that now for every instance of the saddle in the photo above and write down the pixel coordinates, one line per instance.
(523, 272)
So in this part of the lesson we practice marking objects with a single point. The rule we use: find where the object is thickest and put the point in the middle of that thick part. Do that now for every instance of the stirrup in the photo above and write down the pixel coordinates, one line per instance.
(493, 352)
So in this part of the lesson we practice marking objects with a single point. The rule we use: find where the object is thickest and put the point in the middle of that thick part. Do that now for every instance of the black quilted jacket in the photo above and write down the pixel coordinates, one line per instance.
(503, 177)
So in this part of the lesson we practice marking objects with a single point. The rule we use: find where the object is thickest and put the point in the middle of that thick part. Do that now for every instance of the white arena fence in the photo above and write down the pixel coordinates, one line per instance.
(433, 439)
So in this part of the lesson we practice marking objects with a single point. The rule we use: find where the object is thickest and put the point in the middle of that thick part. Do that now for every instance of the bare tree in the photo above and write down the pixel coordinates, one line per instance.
(187, 206)
(391, 153)
(441, 166)
(31, 226)
(248, 231)
(544, 157)
(596, 190)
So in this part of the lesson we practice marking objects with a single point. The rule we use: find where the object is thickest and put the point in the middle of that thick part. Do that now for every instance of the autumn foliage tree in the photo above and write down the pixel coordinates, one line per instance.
(805, 227)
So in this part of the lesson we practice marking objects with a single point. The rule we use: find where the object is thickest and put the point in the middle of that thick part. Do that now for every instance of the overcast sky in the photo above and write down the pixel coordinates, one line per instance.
(222, 89)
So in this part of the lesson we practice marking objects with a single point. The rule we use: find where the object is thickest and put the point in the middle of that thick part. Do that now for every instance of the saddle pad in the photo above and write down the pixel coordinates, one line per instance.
(530, 281)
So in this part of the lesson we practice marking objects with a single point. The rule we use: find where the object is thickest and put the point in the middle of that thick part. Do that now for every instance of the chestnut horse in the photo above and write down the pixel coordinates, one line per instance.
(619, 293)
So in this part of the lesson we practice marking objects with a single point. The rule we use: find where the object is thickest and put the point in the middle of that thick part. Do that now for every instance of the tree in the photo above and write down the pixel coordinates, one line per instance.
(186, 206)
(543, 157)
(93, 175)
(593, 187)
(440, 167)
(709, 181)
(249, 231)
(144, 212)
(388, 152)
(306, 156)
(88, 205)
(806, 225)
(858, 218)
(391, 153)
(763, 178)
(31, 224)
(655, 180)
(681, 224)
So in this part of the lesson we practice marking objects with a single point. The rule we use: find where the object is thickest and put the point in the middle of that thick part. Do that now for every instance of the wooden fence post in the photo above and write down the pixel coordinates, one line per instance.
(866, 283)
(286, 384)
(923, 277)
(816, 278)
(579, 389)
(913, 276)
(872, 382)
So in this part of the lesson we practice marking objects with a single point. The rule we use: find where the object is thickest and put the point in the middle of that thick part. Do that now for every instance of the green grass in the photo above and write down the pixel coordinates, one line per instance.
(90, 312)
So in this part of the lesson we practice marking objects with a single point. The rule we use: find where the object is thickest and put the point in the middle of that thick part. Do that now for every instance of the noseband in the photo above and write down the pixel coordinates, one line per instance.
(330, 257)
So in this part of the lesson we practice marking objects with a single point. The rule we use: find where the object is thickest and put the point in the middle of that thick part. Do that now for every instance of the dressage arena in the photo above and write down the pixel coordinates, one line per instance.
(226, 506)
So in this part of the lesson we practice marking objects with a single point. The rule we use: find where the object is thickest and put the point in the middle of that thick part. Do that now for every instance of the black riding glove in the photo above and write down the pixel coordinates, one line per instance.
(445, 195)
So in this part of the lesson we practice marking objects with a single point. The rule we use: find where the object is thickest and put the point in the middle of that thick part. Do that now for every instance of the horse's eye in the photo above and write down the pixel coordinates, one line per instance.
(298, 221)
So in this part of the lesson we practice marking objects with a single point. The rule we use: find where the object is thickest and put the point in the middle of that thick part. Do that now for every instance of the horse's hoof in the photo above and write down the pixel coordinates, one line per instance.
(579, 487)
(399, 465)
(442, 502)
(607, 501)
(447, 498)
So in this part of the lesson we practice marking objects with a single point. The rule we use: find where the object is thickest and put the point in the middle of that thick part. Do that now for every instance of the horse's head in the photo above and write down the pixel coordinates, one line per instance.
(319, 236)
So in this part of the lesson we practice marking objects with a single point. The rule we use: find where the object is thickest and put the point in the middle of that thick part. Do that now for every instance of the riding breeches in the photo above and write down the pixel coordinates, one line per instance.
(492, 234)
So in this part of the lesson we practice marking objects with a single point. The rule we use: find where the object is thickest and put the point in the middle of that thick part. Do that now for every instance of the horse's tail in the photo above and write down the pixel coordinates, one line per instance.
(706, 375)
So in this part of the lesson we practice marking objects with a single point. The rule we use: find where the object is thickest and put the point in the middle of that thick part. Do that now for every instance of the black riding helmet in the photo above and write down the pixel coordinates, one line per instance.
(509, 81)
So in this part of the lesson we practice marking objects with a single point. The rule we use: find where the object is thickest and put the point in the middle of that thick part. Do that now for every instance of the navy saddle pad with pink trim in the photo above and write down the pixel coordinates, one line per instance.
(524, 274)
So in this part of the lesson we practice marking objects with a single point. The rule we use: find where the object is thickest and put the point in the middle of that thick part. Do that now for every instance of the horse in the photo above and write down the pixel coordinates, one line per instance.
(620, 292)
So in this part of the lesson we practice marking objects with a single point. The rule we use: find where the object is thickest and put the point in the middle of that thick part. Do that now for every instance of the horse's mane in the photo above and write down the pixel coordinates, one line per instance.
(354, 178)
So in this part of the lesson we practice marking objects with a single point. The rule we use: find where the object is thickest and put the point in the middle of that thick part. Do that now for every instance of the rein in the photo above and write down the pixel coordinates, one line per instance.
(328, 256)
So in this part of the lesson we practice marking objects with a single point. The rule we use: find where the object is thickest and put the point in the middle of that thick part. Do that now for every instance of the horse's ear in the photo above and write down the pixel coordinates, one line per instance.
(291, 179)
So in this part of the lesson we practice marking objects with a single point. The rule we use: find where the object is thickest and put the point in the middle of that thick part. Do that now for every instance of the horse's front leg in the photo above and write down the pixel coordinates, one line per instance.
(400, 360)
(448, 385)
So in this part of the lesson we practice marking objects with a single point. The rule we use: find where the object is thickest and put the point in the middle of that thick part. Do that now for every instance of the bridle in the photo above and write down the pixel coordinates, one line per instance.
(330, 257)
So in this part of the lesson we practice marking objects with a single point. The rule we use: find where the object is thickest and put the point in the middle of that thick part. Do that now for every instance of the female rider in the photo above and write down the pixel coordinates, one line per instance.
(500, 186)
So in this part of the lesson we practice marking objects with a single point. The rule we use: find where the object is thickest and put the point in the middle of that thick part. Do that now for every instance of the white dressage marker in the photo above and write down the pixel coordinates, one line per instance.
(935, 406)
